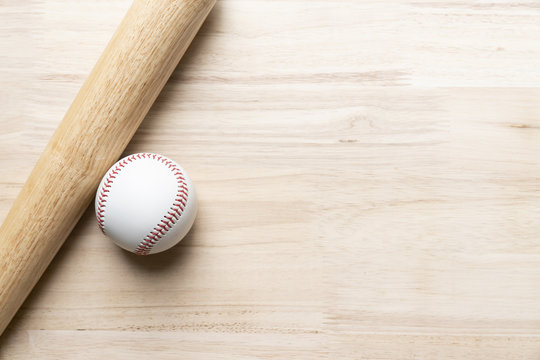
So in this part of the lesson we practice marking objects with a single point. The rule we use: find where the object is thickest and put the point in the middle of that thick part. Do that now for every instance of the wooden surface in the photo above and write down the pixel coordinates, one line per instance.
(368, 173)
(96, 129)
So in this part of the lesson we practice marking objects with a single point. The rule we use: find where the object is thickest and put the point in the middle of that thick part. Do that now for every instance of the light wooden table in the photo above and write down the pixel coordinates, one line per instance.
(368, 172)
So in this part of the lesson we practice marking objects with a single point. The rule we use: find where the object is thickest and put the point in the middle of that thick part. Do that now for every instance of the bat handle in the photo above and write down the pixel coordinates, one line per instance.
(105, 114)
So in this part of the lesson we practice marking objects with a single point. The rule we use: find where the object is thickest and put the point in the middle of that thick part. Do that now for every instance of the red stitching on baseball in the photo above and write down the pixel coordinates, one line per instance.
(167, 222)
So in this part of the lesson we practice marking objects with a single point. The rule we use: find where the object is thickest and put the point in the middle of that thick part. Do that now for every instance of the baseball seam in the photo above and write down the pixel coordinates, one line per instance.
(167, 221)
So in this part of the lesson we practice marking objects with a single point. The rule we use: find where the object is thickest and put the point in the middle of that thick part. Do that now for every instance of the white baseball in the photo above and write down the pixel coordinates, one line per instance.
(146, 203)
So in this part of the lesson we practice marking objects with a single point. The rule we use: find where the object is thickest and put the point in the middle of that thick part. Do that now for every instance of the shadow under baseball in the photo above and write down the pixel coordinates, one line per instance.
(165, 260)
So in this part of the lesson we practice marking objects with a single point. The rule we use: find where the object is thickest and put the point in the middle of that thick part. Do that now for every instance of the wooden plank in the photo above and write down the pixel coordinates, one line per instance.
(368, 179)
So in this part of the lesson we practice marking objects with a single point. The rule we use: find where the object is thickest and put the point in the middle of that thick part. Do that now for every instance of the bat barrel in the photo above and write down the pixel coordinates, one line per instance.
(93, 134)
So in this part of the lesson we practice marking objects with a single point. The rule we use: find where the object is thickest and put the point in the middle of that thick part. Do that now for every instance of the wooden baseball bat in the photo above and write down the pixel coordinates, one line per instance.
(96, 129)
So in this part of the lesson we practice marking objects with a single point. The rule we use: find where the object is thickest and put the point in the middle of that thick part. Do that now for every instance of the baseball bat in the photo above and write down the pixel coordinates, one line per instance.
(96, 129)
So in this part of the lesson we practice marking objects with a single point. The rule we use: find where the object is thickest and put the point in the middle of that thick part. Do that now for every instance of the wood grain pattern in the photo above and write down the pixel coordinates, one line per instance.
(96, 129)
(368, 176)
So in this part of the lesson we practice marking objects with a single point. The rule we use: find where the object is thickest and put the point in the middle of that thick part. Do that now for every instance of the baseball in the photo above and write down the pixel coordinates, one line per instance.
(146, 203)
